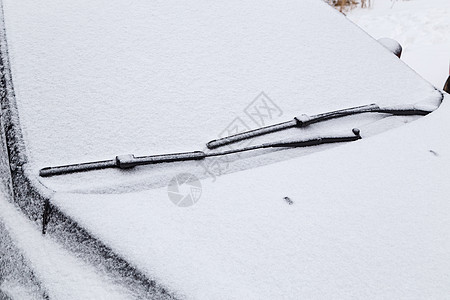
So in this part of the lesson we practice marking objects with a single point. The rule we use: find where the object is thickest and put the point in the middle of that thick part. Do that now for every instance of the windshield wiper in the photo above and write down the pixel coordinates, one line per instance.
(305, 120)
(130, 161)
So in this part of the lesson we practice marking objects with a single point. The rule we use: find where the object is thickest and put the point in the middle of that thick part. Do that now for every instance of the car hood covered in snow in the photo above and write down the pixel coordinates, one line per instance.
(94, 79)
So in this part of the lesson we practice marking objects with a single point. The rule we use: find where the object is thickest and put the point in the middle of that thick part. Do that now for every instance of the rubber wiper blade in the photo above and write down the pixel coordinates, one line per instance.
(122, 162)
(130, 161)
(305, 120)
(292, 143)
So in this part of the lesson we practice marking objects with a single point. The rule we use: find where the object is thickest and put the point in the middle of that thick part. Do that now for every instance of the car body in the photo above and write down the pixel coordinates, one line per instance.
(90, 80)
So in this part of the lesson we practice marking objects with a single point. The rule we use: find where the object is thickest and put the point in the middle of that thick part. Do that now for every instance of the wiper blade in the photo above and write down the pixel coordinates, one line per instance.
(305, 120)
(130, 161)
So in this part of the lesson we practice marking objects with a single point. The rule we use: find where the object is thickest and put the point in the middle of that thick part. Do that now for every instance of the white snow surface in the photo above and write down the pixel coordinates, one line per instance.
(421, 26)
(100, 78)
(370, 219)
(63, 275)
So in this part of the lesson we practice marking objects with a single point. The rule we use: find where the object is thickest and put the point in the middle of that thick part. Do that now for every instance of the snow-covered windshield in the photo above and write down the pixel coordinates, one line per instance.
(96, 79)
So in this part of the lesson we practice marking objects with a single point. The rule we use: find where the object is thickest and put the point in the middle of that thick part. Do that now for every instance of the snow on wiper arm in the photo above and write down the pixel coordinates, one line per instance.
(288, 143)
(130, 161)
(305, 120)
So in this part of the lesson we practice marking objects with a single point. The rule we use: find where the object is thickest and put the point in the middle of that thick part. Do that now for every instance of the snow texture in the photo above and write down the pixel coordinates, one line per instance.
(96, 79)
(17, 280)
(63, 275)
(369, 219)
(421, 26)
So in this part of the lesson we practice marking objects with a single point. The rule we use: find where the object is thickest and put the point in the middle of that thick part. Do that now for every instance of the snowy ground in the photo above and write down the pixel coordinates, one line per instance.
(421, 26)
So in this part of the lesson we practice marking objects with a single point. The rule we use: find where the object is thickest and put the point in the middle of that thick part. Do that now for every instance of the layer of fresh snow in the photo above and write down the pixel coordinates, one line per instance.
(63, 276)
(370, 219)
(99, 78)
(16, 278)
(421, 26)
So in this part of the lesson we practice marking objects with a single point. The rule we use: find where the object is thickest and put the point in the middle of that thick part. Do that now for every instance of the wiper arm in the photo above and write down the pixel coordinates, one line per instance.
(305, 120)
(130, 161)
